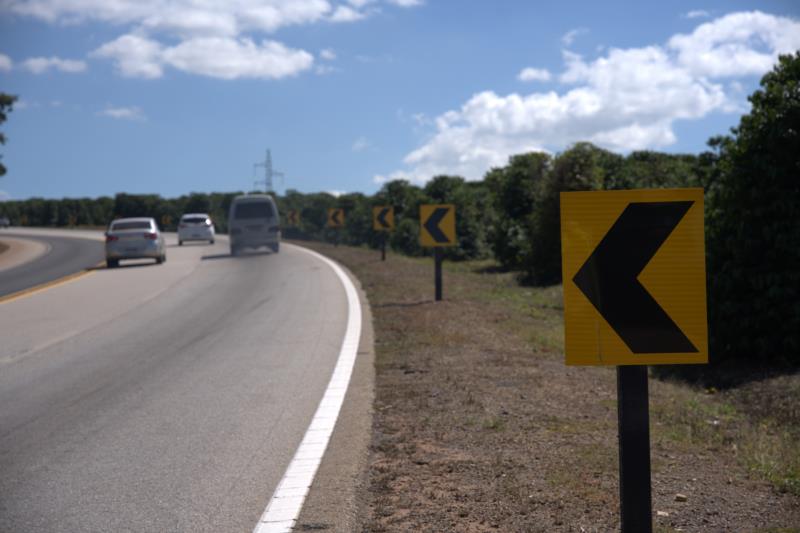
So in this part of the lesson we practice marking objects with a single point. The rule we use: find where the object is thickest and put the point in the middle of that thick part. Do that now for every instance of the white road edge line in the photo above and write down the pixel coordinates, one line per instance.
(283, 509)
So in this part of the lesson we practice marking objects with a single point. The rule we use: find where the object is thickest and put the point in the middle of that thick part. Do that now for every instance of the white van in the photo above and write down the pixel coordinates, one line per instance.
(253, 222)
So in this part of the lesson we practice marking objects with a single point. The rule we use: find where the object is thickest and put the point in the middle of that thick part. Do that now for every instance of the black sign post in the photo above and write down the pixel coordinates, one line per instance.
(383, 247)
(661, 227)
(438, 256)
(609, 280)
(438, 229)
(634, 450)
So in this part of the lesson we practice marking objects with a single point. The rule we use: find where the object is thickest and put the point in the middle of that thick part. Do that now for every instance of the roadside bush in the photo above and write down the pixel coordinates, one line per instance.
(753, 228)
(513, 192)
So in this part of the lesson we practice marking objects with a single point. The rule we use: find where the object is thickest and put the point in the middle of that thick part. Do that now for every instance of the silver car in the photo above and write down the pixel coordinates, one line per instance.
(195, 227)
(134, 238)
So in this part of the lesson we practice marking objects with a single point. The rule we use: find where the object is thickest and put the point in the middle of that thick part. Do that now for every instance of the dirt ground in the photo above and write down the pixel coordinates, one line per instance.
(479, 425)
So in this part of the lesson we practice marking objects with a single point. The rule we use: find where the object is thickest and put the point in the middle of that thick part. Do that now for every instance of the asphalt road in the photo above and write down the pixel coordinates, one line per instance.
(163, 398)
(64, 256)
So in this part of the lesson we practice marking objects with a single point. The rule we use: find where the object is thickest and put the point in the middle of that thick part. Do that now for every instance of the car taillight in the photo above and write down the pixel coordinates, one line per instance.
(111, 238)
(151, 236)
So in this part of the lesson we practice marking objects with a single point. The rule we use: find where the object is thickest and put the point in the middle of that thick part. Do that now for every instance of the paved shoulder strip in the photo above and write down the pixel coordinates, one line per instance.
(283, 509)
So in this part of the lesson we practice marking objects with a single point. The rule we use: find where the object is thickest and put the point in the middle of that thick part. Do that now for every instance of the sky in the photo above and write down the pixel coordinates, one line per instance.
(179, 96)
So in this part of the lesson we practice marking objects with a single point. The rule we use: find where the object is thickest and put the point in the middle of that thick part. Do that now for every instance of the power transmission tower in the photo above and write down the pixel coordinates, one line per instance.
(269, 173)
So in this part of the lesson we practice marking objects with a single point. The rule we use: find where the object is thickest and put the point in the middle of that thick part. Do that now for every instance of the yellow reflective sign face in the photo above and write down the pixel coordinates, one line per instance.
(437, 225)
(633, 265)
(383, 218)
(293, 217)
(335, 217)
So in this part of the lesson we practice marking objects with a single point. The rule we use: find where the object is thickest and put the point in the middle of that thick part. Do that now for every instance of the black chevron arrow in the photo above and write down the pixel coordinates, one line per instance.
(432, 225)
(382, 217)
(335, 217)
(608, 278)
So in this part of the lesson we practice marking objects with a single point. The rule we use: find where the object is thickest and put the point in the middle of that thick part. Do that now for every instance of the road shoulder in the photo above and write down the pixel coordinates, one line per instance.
(332, 502)
(20, 251)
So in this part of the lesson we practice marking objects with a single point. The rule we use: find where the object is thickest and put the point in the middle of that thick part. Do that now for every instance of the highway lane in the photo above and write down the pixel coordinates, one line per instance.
(163, 398)
(65, 255)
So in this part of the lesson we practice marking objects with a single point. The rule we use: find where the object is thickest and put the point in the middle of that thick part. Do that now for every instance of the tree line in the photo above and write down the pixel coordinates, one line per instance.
(751, 179)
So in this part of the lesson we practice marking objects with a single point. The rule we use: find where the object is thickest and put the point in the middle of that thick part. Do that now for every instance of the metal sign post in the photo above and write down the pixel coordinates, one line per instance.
(437, 229)
(383, 221)
(634, 295)
(336, 221)
(636, 509)
(438, 256)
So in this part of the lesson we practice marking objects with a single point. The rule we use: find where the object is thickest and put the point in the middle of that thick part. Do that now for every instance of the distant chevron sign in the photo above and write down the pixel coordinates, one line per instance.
(335, 217)
(383, 218)
(634, 277)
(437, 225)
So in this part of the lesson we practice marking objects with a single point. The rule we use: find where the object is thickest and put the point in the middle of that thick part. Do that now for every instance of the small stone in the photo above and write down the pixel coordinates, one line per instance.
(662, 513)
(680, 497)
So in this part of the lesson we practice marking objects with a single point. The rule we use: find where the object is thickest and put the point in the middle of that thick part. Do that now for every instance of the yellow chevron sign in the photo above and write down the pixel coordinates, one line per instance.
(437, 225)
(335, 217)
(383, 218)
(633, 264)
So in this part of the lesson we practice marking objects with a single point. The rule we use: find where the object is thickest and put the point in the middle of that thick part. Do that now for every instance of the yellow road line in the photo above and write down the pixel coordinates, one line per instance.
(44, 286)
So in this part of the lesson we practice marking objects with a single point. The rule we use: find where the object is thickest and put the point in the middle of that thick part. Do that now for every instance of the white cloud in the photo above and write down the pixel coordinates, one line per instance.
(736, 44)
(534, 74)
(327, 54)
(135, 56)
(229, 59)
(346, 14)
(336, 193)
(40, 65)
(184, 17)
(123, 113)
(569, 37)
(4, 196)
(697, 14)
(5, 63)
(360, 144)
(218, 57)
(174, 33)
(625, 99)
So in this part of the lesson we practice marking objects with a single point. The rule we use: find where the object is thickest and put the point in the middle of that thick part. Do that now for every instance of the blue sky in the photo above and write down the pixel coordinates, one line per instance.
(174, 96)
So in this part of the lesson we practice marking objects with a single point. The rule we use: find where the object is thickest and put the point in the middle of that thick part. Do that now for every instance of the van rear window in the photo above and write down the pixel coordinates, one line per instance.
(252, 210)
(194, 220)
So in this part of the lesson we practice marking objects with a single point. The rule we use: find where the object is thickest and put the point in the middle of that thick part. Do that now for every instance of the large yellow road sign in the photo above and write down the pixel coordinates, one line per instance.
(633, 265)
(383, 218)
(437, 225)
(293, 217)
(335, 217)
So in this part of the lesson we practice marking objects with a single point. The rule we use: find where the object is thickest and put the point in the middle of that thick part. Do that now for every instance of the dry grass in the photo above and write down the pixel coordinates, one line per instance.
(479, 426)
